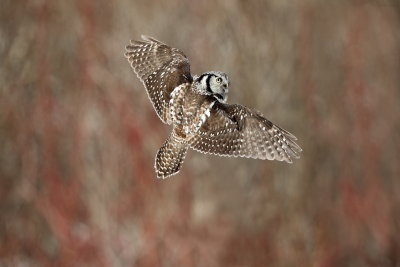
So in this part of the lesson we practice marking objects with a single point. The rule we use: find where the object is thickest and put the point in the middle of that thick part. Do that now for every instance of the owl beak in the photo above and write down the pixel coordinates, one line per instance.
(226, 87)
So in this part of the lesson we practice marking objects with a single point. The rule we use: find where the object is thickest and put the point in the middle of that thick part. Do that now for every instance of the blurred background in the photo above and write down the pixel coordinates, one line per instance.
(78, 136)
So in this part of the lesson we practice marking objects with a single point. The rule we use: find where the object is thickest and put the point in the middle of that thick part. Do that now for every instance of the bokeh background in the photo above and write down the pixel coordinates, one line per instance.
(78, 136)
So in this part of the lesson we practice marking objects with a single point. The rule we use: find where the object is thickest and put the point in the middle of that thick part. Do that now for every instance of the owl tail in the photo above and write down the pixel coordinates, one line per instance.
(170, 156)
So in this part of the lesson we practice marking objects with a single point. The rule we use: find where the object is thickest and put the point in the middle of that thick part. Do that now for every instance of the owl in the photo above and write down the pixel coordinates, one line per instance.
(196, 107)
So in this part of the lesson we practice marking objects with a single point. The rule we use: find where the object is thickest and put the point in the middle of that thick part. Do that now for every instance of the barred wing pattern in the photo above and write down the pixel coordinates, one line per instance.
(235, 130)
(160, 68)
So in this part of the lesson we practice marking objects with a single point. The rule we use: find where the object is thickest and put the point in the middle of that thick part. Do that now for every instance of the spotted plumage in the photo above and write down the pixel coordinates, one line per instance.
(197, 110)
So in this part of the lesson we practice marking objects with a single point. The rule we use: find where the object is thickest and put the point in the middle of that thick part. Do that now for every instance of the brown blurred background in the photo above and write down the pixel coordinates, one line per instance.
(78, 136)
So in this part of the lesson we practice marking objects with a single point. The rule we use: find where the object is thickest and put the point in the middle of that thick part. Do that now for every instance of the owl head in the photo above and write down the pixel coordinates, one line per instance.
(213, 83)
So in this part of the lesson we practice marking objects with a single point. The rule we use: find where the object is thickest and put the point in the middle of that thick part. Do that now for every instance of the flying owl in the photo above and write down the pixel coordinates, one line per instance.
(196, 108)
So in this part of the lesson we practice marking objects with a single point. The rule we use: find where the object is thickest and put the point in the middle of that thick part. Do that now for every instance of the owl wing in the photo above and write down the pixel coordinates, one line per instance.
(235, 130)
(160, 68)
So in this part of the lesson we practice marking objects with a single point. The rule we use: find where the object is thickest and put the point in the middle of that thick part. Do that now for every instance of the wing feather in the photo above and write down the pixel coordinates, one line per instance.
(160, 68)
(235, 130)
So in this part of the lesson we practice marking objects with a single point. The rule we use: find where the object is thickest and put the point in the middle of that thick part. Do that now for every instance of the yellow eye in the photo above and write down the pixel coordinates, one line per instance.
(219, 80)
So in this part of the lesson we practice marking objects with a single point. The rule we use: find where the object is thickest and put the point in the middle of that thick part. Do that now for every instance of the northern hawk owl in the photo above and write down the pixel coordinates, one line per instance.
(196, 108)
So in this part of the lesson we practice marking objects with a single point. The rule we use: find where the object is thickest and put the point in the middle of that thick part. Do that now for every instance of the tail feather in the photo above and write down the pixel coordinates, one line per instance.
(170, 156)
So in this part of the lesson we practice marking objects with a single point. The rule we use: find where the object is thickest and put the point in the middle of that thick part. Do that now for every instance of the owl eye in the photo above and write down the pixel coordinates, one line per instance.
(219, 80)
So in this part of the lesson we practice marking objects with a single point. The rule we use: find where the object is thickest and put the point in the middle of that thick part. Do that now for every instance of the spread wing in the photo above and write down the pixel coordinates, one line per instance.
(160, 68)
(235, 130)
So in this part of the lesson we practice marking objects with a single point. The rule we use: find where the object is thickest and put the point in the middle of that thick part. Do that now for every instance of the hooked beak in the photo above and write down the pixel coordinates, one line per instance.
(226, 88)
